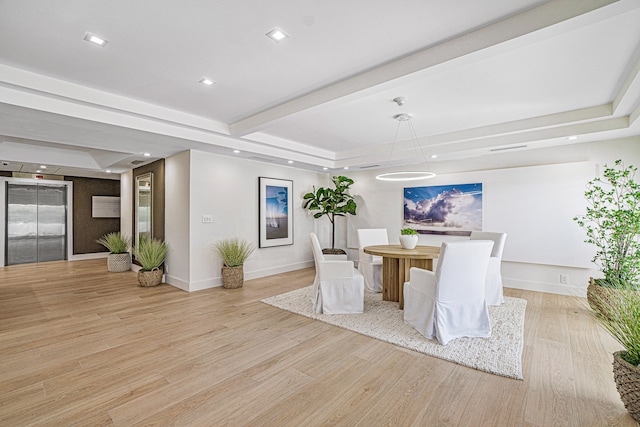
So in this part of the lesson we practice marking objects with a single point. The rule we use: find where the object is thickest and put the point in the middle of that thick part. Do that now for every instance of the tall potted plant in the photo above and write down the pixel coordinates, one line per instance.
(119, 258)
(331, 202)
(150, 253)
(622, 321)
(234, 252)
(612, 223)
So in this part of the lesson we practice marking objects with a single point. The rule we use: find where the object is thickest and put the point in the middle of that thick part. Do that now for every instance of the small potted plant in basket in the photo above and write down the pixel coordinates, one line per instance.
(119, 258)
(234, 252)
(408, 238)
(150, 253)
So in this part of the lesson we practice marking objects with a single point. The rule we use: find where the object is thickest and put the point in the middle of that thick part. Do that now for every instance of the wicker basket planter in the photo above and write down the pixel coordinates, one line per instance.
(150, 278)
(596, 294)
(627, 379)
(117, 263)
(232, 277)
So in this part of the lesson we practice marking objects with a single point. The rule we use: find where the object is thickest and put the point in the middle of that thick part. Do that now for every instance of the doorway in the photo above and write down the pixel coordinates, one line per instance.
(36, 223)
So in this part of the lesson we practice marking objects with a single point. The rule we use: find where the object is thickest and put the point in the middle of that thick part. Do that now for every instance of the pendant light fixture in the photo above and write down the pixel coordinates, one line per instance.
(406, 175)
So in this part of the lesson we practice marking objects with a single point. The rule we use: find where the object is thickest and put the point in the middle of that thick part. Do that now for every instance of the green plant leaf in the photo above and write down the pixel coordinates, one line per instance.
(116, 242)
(612, 223)
(331, 202)
(150, 253)
(234, 251)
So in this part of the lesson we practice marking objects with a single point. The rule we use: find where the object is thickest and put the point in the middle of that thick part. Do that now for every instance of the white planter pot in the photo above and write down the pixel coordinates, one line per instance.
(408, 241)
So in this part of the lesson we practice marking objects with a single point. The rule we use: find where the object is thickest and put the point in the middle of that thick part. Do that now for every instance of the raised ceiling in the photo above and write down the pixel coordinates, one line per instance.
(480, 78)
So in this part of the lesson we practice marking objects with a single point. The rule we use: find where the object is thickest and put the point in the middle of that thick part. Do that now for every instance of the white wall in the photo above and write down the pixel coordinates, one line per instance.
(226, 188)
(534, 205)
(177, 220)
(126, 203)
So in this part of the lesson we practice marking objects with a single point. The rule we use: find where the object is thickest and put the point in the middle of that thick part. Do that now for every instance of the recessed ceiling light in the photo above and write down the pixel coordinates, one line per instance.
(277, 35)
(346, 167)
(433, 156)
(108, 171)
(324, 169)
(236, 151)
(92, 38)
(38, 171)
(146, 154)
(571, 138)
(43, 167)
(290, 161)
(206, 81)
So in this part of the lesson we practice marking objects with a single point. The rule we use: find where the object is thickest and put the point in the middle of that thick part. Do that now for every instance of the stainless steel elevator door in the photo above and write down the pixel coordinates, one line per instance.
(36, 223)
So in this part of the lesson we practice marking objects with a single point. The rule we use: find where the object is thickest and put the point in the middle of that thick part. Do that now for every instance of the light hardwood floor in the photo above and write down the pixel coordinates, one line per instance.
(80, 346)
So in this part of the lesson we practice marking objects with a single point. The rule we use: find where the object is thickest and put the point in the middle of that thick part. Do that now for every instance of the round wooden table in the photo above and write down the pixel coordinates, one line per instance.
(396, 263)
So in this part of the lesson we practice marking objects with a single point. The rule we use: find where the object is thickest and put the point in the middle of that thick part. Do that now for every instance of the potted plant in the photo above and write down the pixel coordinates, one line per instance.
(234, 252)
(612, 223)
(408, 238)
(150, 253)
(331, 202)
(119, 258)
(622, 321)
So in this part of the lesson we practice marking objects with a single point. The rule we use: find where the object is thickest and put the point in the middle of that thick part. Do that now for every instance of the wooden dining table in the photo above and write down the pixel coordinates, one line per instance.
(396, 263)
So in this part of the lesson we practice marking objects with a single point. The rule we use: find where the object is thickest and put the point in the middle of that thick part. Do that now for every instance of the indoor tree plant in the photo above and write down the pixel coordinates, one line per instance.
(612, 223)
(151, 254)
(234, 252)
(331, 202)
(117, 244)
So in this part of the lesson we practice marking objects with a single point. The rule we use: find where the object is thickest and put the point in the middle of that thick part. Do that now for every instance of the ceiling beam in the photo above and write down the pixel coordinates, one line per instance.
(528, 22)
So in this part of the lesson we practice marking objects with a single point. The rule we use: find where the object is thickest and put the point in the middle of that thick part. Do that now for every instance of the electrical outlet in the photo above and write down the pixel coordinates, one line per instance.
(564, 278)
(207, 219)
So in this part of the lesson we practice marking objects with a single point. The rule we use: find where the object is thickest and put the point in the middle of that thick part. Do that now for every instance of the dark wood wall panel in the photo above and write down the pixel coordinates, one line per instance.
(87, 229)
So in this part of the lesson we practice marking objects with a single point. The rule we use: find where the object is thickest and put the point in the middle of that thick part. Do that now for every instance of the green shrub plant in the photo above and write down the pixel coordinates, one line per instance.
(234, 251)
(612, 223)
(116, 242)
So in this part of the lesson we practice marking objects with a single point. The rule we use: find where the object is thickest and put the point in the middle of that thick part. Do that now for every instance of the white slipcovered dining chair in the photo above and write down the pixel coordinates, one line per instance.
(338, 287)
(493, 287)
(450, 303)
(370, 265)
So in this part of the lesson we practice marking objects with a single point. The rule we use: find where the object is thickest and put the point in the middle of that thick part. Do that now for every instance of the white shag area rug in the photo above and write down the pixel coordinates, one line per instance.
(501, 354)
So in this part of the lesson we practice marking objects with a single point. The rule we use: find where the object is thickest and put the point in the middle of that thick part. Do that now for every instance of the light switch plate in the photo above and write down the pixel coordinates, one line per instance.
(207, 219)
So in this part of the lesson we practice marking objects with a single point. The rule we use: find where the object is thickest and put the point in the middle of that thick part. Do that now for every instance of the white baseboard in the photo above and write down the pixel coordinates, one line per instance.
(175, 282)
(97, 255)
(217, 281)
(277, 270)
(552, 288)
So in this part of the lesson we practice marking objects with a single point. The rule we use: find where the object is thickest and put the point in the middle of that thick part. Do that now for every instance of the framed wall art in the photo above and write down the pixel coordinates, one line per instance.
(454, 210)
(275, 215)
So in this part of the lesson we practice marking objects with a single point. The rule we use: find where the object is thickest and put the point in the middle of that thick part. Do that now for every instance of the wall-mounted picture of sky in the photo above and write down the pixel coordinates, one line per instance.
(444, 209)
(275, 219)
(277, 212)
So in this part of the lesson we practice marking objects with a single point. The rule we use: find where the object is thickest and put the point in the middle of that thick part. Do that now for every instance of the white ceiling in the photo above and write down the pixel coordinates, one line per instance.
(477, 76)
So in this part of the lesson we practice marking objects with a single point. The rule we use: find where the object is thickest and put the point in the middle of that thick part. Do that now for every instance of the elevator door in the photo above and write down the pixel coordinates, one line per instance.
(36, 223)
